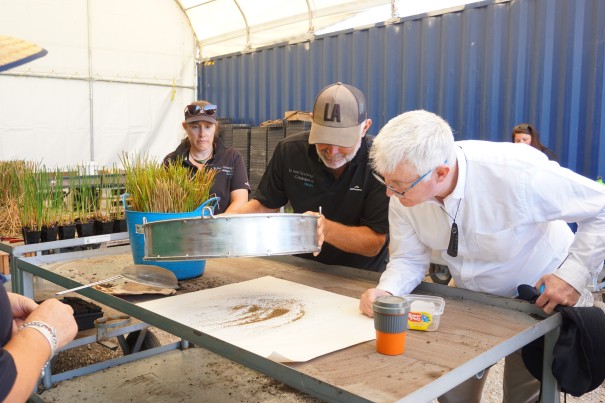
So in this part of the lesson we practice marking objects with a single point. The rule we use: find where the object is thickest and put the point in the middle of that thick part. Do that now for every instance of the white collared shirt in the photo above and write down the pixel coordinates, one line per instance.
(514, 205)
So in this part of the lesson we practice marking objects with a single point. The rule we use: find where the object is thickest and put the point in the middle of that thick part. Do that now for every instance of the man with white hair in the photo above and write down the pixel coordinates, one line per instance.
(328, 169)
(497, 214)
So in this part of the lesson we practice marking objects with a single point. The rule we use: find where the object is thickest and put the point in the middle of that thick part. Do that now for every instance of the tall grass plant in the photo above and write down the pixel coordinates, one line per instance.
(155, 188)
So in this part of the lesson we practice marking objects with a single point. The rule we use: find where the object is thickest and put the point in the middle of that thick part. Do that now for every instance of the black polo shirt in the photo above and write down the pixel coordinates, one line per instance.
(356, 198)
(230, 170)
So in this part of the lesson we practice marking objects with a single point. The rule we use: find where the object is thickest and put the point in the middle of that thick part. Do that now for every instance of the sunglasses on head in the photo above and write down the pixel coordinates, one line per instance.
(195, 110)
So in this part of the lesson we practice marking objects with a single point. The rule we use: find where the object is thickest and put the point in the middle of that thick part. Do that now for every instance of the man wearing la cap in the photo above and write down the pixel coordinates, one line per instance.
(328, 168)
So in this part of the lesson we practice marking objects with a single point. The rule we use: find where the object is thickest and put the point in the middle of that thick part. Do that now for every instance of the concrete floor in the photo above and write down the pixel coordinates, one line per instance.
(193, 375)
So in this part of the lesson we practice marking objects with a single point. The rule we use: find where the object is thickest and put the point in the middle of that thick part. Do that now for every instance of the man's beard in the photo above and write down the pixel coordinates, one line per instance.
(338, 160)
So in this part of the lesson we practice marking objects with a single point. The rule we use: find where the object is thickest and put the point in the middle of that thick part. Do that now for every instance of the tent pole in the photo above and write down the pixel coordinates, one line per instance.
(90, 85)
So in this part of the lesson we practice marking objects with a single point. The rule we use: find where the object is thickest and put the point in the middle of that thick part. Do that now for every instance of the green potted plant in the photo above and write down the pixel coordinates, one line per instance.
(104, 217)
(116, 186)
(53, 205)
(11, 173)
(86, 194)
(155, 192)
(67, 225)
(32, 203)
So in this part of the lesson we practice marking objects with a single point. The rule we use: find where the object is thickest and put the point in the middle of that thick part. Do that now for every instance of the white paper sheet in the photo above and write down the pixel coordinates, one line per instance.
(274, 318)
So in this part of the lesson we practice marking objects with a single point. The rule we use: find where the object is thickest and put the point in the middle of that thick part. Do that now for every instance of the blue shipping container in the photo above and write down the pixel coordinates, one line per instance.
(484, 68)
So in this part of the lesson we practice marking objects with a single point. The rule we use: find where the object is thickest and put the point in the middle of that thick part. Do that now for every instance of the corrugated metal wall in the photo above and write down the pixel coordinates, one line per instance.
(484, 69)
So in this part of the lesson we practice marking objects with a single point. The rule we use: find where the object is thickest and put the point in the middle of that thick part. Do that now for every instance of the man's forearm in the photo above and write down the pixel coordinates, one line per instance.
(361, 240)
(253, 206)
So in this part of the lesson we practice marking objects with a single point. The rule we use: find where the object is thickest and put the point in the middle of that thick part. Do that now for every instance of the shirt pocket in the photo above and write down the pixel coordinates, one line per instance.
(497, 246)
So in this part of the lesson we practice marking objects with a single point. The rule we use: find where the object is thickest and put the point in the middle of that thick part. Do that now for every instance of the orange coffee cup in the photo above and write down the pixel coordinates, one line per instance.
(390, 322)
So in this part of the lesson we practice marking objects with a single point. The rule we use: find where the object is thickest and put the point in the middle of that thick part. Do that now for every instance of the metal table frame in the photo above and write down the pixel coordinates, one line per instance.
(26, 268)
(20, 250)
(22, 283)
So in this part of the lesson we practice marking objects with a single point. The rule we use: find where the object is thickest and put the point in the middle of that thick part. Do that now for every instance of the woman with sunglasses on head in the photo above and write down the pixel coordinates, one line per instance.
(527, 134)
(203, 148)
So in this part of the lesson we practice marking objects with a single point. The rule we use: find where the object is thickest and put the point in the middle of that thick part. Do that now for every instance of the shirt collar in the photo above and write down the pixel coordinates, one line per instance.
(458, 192)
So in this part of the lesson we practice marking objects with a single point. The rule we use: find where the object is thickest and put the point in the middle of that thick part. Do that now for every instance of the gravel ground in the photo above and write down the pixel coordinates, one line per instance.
(492, 393)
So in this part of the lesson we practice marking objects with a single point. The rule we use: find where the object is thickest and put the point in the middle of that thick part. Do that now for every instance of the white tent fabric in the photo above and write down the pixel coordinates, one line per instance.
(116, 79)
(228, 26)
(119, 73)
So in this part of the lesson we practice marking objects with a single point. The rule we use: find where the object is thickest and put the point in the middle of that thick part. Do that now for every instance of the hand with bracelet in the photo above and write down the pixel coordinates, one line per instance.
(38, 331)
(55, 314)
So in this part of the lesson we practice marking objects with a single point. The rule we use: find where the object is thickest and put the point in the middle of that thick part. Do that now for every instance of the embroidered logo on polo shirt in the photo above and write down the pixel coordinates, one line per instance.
(356, 188)
(305, 178)
(226, 169)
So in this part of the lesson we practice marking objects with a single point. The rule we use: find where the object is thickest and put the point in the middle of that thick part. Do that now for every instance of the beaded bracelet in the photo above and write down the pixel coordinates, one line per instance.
(47, 331)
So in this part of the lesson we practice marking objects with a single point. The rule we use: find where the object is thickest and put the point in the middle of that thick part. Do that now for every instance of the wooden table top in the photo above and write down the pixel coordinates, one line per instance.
(467, 329)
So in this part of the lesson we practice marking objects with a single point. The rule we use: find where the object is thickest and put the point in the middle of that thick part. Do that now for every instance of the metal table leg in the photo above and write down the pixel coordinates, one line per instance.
(550, 386)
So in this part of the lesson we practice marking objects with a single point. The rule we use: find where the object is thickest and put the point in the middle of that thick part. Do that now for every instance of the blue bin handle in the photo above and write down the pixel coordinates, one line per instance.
(208, 212)
(209, 204)
(124, 197)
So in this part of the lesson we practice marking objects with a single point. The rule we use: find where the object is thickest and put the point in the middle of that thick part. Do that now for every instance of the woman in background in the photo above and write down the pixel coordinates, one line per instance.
(527, 134)
(203, 148)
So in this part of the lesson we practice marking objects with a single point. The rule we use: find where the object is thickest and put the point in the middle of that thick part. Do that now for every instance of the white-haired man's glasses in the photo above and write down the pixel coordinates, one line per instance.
(401, 195)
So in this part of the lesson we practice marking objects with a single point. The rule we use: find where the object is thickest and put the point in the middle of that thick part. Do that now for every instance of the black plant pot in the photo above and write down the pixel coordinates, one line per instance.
(49, 234)
(119, 225)
(67, 231)
(103, 227)
(30, 236)
(84, 229)
(108, 227)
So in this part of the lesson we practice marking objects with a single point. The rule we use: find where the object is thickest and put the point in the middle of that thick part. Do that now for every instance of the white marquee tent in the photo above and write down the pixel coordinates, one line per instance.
(118, 73)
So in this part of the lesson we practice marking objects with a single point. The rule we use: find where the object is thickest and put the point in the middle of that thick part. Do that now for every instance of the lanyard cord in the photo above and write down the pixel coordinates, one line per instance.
(452, 248)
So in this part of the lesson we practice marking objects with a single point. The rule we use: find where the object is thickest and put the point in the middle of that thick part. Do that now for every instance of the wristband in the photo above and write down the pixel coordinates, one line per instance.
(47, 331)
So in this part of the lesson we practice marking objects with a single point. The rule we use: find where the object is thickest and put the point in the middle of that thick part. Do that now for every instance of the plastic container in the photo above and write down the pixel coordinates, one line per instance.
(85, 312)
(425, 312)
(183, 269)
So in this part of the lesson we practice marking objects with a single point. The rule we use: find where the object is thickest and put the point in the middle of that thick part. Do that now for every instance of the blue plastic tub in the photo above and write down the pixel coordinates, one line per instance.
(183, 269)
